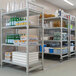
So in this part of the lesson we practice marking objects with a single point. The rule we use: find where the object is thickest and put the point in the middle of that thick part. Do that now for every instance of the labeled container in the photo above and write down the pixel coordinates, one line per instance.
(58, 50)
(47, 49)
(41, 48)
(8, 56)
(51, 50)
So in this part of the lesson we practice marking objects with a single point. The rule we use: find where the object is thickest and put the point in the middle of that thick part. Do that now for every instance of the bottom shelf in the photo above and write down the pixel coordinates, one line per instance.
(10, 62)
(38, 64)
(56, 54)
(20, 59)
(72, 53)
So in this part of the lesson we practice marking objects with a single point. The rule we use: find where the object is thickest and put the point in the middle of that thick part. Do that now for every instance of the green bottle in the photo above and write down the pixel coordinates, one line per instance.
(10, 21)
(6, 39)
(18, 20)
(13, 21)
(9, 39)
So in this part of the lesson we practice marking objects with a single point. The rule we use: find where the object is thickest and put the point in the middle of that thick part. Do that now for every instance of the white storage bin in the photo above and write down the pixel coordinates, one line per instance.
(21, 58)
(71, 48)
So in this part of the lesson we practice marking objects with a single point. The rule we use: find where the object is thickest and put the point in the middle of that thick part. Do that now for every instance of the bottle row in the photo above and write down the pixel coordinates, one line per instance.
(57, 36)
(17, 21)
(21, 39)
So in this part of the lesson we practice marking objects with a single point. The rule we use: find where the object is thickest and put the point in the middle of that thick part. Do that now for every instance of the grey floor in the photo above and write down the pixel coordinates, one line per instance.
(52, 68)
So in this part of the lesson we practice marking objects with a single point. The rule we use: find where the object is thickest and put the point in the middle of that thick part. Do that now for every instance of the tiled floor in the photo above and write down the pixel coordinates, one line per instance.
(52, 68)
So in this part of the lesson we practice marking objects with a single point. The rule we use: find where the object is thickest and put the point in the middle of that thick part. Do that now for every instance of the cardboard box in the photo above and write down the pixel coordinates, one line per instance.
(8, 56)
(58, 23)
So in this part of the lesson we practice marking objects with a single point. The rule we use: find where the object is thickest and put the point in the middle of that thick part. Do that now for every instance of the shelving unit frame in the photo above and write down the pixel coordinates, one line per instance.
(22, 13)
(61, 29)
(74, 33)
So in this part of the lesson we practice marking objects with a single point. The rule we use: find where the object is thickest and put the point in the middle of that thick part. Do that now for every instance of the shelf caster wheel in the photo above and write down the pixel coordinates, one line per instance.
(61, 60)
(69, 58)
(75, 56)
(42, 68)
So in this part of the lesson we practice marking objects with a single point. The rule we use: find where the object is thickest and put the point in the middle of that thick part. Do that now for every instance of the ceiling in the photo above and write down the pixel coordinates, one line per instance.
(62, 4)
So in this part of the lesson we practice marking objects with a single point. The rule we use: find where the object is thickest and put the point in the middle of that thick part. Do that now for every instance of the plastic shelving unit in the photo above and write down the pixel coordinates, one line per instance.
(72, 32)
(27, 12)
(1, 11)
(61, 29)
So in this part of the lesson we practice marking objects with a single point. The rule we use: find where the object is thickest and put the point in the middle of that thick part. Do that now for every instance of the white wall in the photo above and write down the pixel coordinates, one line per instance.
(73, 12)
(49, 8)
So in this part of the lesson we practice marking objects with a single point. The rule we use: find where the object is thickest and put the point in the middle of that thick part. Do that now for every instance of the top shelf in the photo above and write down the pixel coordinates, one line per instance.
(55, 18)
(22, 13)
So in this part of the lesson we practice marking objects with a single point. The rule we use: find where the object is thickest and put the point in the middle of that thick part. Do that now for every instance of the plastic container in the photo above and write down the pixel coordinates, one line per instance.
(41, 48)
(51, 50)
(8, 7)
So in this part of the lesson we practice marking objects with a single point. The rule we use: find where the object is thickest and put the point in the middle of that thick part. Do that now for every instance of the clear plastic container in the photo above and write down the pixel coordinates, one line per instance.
(13, 6)
(8, 7)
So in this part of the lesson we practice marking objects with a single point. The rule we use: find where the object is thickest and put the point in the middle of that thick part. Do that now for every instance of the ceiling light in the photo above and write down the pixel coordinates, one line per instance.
(69, 2)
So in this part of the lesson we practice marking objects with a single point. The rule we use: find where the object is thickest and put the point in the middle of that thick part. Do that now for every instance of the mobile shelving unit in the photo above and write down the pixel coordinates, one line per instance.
(27, 12)
(60, 29)
(72, 35)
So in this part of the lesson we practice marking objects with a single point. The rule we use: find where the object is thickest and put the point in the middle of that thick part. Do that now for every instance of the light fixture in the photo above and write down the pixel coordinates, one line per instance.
(69, 2)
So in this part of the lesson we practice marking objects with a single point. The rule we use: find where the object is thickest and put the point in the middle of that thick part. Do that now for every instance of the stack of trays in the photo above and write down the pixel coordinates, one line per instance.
(21, 58)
